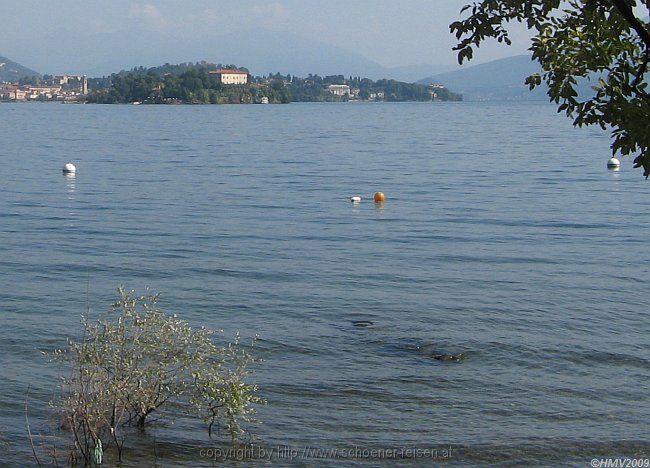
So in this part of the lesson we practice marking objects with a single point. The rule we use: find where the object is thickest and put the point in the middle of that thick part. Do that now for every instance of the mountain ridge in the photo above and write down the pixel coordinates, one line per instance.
(502, 79)
(262, 51)
(13, 71)
(498, 79)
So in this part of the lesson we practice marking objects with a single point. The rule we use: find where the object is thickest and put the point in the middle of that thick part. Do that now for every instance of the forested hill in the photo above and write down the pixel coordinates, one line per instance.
(179, 69)
(316, 89)
(181, 84)
(12, 71)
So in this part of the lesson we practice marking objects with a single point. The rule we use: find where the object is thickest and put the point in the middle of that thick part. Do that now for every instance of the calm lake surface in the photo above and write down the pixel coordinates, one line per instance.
(503, 237)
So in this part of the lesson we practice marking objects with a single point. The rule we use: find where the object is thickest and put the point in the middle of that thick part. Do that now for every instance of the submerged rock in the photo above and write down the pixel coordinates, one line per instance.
(449, 357)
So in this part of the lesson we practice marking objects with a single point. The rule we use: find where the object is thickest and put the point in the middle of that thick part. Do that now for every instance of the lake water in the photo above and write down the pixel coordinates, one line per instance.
(503, 237)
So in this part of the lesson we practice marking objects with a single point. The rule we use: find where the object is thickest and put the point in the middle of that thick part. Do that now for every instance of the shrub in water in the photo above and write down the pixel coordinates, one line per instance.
(139, 361)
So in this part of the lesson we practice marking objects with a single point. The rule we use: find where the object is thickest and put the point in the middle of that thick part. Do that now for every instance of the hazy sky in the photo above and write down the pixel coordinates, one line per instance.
(390, 32)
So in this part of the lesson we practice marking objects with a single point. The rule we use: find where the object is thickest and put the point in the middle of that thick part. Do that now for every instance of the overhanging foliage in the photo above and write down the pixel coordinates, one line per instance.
(574, 40)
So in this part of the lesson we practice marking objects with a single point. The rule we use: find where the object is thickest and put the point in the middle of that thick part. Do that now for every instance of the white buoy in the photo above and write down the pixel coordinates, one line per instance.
(355, 199)
(69, 168)
(613, 163)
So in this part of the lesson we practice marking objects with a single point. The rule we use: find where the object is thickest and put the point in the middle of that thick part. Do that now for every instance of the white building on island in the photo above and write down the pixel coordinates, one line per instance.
(339, 90)
(231, 77)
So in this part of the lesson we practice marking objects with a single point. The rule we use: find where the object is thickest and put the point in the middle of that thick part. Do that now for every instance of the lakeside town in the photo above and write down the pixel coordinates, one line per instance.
(208, 83)
(64, 88)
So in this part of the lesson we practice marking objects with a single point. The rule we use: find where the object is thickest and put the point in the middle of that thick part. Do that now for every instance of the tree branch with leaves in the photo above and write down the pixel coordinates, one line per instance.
(603, 41)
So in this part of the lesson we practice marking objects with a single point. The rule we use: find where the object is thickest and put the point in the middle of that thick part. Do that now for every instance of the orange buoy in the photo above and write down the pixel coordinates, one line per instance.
(380, 197)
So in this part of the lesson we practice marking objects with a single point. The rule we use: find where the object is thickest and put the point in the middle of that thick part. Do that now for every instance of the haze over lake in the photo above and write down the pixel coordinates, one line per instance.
(503, 237)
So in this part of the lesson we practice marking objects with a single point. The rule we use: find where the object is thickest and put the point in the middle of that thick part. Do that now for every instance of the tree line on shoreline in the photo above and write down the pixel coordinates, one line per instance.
(190, 83)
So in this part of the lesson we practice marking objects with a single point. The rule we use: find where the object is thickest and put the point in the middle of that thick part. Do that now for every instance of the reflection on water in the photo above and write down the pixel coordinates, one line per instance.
(616, 177)
(70, 182)
(71, 188)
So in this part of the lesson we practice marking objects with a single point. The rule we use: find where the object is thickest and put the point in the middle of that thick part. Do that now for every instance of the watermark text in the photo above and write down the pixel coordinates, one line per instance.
(620, 462)
(254, 452)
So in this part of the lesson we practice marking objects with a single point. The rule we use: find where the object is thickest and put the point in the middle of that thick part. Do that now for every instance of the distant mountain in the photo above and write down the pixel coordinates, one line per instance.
(412, 73)
(495, 80)
(501, 79)
(265, 51)
(12, 71)
(261, 51)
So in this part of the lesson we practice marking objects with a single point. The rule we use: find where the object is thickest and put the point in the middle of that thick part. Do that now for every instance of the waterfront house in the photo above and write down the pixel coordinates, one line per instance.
(231, 77)
(7, 90)
(339, 90)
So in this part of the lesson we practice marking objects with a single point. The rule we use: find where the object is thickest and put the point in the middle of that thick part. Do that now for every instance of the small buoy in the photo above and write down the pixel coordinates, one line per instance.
(613, 163)
(380, 197)
(69, 168)
(355, 199)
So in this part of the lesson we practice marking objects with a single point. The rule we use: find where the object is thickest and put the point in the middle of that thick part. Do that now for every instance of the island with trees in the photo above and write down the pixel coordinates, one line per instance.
(202, 83)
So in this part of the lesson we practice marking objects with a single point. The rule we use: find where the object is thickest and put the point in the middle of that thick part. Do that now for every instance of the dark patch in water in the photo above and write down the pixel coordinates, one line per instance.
(431, 351)
(362, 323)
(450, 357)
